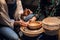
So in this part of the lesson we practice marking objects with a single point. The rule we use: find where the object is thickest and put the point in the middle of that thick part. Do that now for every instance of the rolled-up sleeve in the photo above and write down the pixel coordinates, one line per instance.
(19, 10)
(4, 17)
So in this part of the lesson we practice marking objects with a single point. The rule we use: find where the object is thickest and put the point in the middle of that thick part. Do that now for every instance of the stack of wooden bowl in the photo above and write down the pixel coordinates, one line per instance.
(35, 28)
(51, 25)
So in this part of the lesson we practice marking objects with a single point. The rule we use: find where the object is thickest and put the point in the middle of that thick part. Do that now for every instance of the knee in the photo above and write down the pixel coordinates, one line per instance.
(15, 38)
(9, 33)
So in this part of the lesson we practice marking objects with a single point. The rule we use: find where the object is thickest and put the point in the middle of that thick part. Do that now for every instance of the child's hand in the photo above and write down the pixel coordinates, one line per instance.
(27, 12)
(33, 19)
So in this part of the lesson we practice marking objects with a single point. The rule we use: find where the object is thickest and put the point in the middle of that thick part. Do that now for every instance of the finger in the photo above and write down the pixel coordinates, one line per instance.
(30, 11)
(23, 24)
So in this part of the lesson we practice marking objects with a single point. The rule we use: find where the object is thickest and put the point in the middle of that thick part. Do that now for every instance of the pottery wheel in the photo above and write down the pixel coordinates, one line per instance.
(26, 30)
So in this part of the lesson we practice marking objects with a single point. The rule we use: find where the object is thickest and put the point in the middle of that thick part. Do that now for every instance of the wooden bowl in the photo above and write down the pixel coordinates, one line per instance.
(35, 25)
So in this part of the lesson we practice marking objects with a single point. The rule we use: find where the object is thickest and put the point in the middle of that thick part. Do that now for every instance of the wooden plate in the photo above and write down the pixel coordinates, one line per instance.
(31, 33)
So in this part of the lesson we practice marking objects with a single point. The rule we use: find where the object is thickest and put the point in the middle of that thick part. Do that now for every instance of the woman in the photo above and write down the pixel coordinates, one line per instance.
(7, 22)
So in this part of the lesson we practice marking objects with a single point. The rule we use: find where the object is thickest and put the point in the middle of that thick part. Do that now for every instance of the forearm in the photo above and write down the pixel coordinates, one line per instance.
(19, 10)
(5, 20)
(4, 17)
(16, 23)
(19, 6)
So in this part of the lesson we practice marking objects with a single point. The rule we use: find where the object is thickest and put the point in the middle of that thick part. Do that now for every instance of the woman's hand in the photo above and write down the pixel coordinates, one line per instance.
(33, 19)
(21, 23)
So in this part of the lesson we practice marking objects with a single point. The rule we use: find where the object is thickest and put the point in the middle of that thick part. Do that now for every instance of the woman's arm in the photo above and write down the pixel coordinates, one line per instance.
(19, 6)
(4, 17)
(19, 10)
